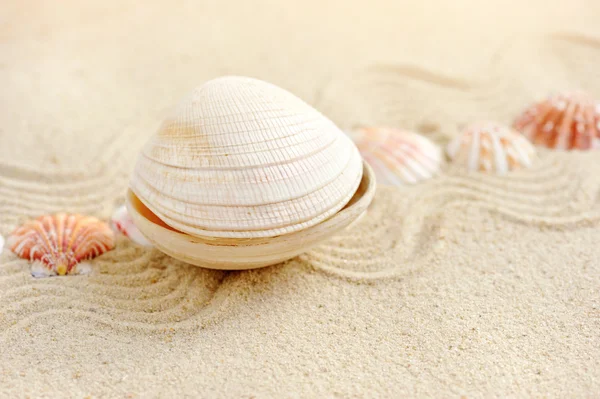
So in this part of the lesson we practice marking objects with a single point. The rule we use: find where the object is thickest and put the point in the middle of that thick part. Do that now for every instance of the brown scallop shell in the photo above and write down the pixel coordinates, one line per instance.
(57, 244)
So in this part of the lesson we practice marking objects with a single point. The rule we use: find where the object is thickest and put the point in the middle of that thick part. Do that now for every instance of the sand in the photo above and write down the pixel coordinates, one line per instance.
(466, 285)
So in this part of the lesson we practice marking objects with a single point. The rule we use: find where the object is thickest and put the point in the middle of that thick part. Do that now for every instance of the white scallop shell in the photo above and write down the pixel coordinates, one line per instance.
(242, 158)
(122, 222)
(492, 148)
(397, 156)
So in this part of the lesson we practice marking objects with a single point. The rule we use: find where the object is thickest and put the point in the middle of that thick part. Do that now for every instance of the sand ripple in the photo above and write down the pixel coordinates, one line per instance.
(137, 288)
(419, 97)
(94, 188)
(406, 225)
(143, 289)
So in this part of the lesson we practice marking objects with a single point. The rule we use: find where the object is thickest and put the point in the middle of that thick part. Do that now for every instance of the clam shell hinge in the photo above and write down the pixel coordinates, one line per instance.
(397, 156)
(491, 148)
(565, 121)
(58, 244)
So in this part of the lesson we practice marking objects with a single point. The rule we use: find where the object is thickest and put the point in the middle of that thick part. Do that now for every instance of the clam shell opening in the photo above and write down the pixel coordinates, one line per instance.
(246, 167)
(251, 253)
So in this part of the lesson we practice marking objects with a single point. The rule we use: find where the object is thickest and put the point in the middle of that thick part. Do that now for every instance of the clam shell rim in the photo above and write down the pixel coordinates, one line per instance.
(248, 253)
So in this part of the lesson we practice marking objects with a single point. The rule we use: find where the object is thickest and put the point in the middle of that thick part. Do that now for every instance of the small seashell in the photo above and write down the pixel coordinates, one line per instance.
(57, 244)
(398, 157)
(122, 222)
(1, 244)
(565, 121)
(491, 147)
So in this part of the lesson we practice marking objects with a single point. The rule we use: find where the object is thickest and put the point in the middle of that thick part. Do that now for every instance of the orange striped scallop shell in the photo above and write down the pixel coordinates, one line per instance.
(58, 244)
(568, 121)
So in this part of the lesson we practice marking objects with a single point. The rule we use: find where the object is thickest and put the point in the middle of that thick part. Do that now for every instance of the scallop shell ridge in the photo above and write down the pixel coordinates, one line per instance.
(57, 244)
(564, 121)
(397, 156)
(242, 158)
(492, 148)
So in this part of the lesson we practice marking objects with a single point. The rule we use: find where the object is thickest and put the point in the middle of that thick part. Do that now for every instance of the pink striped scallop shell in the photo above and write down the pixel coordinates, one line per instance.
(491, 148)
(58, 244)
(567, 121)
(123, 223)
(397, 156)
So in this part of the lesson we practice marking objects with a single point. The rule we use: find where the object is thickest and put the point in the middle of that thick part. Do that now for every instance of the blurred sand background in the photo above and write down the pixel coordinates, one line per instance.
(467, 285)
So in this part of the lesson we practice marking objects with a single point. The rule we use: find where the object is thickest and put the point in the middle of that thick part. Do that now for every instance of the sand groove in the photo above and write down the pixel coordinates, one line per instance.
(410, 96)
(557, 192)
(438, 104)
(54, 190)
(146, 290)
(549, 195)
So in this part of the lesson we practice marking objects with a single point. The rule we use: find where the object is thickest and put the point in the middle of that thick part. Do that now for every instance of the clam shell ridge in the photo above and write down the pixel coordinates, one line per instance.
(242, 158)
(492, 148)
(398, 157)
(564, 121)
(61, 242)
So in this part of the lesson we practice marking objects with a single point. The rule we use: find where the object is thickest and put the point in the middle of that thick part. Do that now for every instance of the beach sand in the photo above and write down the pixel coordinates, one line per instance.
(465, 285)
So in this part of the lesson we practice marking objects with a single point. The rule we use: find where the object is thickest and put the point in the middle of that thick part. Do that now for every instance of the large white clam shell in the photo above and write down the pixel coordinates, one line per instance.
(248, 253)
(242, 158)
(244, 174)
